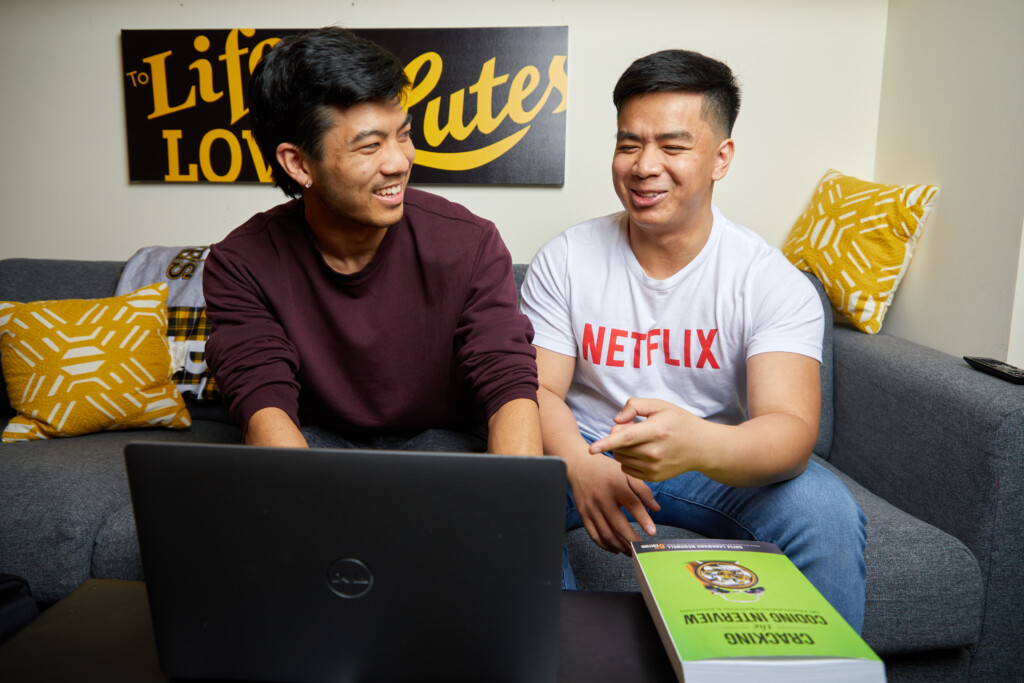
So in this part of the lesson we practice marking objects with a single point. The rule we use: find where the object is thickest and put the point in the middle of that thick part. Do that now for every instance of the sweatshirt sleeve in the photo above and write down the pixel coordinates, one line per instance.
(248, 352)
(493, 339)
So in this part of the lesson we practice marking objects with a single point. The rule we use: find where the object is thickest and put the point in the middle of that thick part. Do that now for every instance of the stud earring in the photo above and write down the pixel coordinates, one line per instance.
(309, 184)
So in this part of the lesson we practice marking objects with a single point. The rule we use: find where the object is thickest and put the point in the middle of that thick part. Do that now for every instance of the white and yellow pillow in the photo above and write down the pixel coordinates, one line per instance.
(857, 237)
(77, 366)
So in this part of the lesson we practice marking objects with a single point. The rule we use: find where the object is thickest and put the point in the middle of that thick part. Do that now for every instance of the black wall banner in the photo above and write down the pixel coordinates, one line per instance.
(488, 104)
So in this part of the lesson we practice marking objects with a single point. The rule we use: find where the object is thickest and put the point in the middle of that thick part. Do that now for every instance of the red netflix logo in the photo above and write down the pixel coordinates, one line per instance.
(643, 347)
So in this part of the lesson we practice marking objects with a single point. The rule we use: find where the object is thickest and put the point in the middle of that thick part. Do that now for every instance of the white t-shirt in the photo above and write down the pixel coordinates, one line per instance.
(685, 339)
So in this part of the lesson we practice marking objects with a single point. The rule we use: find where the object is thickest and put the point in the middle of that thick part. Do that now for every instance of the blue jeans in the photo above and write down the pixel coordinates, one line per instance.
(812, 518)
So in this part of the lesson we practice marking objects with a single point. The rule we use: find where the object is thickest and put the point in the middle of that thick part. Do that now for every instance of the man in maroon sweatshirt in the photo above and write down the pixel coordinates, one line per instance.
(362, 312)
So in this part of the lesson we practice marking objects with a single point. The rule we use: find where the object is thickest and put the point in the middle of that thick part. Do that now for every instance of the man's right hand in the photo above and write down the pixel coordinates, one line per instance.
(600, 491)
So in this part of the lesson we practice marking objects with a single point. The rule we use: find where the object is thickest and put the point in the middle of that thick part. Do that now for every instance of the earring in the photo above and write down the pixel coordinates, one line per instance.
(309, 184)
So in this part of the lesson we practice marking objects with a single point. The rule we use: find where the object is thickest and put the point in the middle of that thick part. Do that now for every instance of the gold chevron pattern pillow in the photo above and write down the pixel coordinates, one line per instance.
(857, 237)
(77, 366)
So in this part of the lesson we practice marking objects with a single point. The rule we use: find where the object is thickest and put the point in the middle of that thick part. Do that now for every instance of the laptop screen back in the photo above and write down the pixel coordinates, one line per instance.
(335, 565)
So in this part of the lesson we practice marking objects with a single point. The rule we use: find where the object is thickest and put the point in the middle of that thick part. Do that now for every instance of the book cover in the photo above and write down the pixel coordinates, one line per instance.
(742, 608)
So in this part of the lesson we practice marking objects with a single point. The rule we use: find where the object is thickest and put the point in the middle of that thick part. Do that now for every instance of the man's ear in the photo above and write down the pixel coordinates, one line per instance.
(293, 161)
(723, 158)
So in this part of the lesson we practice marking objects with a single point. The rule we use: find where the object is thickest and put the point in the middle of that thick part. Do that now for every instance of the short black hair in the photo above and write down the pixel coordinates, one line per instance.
(684, 71)
(297, 83)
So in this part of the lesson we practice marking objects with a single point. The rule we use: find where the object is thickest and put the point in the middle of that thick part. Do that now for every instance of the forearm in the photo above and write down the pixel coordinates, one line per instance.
(273, 427)
(560, 431)
(515, 429)
(784, 402)
(760, 451)
(656, 440)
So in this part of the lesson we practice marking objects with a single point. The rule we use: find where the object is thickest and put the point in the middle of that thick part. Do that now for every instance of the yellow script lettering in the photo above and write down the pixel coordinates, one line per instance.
(523, 84)
(161, 99)
(484, 90)
(205, 71)
(257, 52)
(232, 61)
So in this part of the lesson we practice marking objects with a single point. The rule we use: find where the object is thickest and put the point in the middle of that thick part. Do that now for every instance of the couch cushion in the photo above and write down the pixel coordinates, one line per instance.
(54, 497)
(924, 586)
(57, 496)
(115, 554)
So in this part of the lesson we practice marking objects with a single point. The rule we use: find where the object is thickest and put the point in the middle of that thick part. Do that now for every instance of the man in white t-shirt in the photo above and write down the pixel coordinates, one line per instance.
(688, 348)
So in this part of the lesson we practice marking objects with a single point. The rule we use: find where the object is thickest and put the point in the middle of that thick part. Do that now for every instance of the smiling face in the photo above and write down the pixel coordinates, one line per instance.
(362, 174)
(667, 158)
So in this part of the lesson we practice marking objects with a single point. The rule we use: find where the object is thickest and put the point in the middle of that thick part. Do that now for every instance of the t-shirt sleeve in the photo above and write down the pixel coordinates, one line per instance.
(545, 299)
(788, 314)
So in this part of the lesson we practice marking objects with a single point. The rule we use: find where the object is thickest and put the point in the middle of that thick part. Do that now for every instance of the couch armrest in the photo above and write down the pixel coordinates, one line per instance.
(934, 437)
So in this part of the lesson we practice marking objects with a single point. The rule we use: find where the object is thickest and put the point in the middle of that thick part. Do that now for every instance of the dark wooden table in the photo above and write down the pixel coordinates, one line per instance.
(102, 633)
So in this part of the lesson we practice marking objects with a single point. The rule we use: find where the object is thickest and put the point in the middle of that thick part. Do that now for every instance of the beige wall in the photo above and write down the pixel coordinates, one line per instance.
(811, 73)
(951, 113)
(895, 90)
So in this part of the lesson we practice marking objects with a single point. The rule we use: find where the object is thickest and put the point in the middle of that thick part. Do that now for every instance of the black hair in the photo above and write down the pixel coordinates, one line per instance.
(684, 71)
(297, 83)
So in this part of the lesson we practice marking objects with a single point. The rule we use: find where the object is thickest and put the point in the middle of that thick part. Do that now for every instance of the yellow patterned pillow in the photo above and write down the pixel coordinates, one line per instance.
(77, 366)
(857, 237)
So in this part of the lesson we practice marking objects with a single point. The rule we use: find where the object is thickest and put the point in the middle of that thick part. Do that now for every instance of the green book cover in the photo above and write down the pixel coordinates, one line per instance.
(720, 603)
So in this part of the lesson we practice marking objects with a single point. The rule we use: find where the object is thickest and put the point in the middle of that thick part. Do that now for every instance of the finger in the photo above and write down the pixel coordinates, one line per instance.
(621, 532)
(627, 534)
(605, 533)
(599, 532)
(595, 535)
(618, 428)
(639, 512)
(641, 469)
(634, 468)
(644, 493)
(643, 407)
(637, 458)
(644, 474)
(622, 437)
(626, 415)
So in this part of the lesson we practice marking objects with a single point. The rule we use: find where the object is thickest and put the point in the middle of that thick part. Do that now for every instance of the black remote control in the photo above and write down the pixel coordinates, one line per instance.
(996, 368)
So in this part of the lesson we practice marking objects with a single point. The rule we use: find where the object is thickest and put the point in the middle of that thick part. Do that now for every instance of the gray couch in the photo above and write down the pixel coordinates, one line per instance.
(931, 449)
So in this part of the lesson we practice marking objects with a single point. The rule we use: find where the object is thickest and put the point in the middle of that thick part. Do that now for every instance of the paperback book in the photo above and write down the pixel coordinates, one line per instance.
(741, 608)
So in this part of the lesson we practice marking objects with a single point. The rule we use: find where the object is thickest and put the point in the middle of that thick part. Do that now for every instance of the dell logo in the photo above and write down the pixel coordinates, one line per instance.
(349, 578)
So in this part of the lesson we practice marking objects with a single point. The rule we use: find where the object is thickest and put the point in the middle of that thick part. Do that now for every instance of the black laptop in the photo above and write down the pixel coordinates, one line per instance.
(347, 565)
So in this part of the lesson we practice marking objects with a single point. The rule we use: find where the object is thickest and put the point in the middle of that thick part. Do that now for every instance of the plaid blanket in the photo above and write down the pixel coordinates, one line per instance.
(188, 328)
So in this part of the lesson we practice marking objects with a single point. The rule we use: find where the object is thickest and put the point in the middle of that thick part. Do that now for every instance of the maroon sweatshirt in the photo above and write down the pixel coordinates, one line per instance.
(428, 335)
